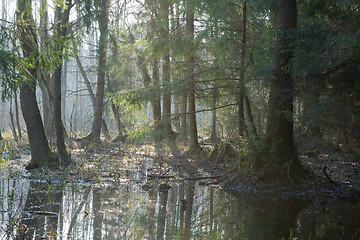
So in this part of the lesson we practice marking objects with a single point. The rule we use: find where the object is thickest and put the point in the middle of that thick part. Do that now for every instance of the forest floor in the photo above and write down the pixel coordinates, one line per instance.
(121, 163)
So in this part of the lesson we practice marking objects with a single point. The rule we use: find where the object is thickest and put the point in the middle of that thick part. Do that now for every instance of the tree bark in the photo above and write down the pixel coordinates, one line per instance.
(44, 76)
(250, 116)
(156, 105)
(92, 95)
(280, 119)
(103, 19)
(62, 17)
(40, 152)
(183, 116)
(242, 75)
(164, 36)
(17, 115)
(194, 144)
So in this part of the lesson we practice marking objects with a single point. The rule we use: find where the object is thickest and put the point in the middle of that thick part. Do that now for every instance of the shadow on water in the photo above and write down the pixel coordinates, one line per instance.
(39, 210)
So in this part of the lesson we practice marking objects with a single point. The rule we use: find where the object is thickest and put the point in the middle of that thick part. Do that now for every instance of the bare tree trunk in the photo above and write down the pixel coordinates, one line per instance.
(44, 76)
(166, 123)
(194, 144)
(17, 115)
(64, 90)
(92, 95)
(183, 109)
(156, 105)
(250, 116)
(280, 119)
(242, 75)
(40, 152)
(62, 17)
(214, 137)
(164, 35)
(103, 19)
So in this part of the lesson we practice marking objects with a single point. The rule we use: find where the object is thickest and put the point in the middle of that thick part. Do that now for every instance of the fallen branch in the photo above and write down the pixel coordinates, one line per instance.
(327, 175)
(156, 176)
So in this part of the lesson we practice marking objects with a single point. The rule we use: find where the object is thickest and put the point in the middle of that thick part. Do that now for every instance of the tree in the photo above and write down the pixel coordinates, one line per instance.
(242, 75)
(194, 144)
(62, 14)
(280, 119)
(40, 151)
(103, 20)
(164, 36)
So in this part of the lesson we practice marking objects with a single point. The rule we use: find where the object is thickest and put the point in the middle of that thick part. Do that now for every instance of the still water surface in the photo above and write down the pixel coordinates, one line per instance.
(42, 210)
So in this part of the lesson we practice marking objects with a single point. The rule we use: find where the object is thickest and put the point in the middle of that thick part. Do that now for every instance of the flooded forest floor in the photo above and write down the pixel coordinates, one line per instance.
(335, 172)
(331, 197)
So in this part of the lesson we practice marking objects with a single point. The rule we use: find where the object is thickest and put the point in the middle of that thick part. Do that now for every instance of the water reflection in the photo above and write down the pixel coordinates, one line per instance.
(35, 210)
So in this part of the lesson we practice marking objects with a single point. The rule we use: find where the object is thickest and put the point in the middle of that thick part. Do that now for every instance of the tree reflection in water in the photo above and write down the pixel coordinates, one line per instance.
(185, 211)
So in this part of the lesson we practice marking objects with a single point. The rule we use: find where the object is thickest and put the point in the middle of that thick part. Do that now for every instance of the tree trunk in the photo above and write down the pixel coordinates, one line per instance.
(280, 119)
(194, 144)
(44, 76)
(63, 91)
(157, 104)
(62, 17)
(214, 137)
(92, 95)
(183, 117)
(250, 116)
(17, 115)
(156, 81)
(242, 76)
(103, 18)
(40, 152)
(164, 35)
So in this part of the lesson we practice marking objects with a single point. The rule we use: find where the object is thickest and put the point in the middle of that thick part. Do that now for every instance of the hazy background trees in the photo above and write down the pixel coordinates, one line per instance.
(178, 71)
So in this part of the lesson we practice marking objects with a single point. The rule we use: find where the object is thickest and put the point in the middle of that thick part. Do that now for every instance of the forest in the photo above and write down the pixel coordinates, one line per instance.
(174, 119)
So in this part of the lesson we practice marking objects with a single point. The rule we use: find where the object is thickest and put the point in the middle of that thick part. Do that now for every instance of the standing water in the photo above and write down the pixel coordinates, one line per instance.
(47, 209)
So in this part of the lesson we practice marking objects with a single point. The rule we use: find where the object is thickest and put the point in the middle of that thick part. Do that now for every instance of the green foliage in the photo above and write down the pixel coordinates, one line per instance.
(8, 75)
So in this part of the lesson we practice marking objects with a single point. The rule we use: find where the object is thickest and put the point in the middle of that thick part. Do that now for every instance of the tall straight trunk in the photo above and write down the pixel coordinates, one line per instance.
(183, 110)
(214, 136)
(155, 76)
(194, 144)
(242, 75)
(164, 35)
(92, 95)
(44, 76)
(62, 20)
(250, 116)
(280, 119)
(157, 101)
(103, 19)
(64, 90)
(17, 115)
(40, 151)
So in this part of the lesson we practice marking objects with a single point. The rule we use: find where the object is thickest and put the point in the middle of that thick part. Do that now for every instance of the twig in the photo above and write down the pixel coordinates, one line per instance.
(128, 226)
